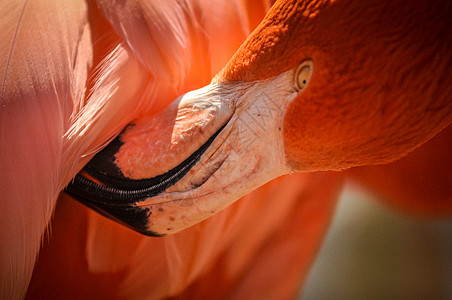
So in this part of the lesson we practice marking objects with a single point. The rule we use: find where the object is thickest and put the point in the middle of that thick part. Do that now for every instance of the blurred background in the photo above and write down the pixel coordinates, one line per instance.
(374, 252)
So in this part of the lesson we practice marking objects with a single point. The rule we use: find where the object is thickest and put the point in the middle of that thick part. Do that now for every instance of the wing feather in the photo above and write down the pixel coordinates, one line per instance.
(44, 60)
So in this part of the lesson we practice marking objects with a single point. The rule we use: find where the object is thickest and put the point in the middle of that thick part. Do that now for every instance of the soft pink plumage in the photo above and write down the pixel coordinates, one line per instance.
(74, 74)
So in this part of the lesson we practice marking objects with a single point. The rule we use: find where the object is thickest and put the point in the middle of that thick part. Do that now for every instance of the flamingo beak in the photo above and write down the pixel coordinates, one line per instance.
(210, 147)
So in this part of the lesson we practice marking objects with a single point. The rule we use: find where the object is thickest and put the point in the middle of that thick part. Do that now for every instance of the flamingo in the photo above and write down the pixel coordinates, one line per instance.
(91, 100)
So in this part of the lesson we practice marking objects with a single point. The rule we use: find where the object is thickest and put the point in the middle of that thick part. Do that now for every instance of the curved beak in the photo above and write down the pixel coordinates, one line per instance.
(206, 150)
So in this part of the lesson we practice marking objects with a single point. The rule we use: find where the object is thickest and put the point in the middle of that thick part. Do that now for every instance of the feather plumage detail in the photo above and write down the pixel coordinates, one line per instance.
(45, 59)
(161, 78)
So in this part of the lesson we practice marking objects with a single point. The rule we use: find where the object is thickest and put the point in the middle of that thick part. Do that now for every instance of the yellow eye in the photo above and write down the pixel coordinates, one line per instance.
(303, 74)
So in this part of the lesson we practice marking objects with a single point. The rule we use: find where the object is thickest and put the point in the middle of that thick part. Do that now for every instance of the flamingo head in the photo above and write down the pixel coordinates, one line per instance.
(317, 86)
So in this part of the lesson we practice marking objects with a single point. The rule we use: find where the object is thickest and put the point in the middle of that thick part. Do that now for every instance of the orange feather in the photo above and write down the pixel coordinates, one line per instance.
(74, 74)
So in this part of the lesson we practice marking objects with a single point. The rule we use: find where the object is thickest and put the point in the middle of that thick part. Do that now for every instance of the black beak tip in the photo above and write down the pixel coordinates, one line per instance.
(133, 217)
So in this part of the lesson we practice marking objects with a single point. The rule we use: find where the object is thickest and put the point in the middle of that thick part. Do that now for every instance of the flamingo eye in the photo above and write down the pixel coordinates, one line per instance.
(303, 74)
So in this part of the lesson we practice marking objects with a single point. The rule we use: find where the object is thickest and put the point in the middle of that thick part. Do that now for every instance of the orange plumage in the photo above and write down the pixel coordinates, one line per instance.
(75, 74)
